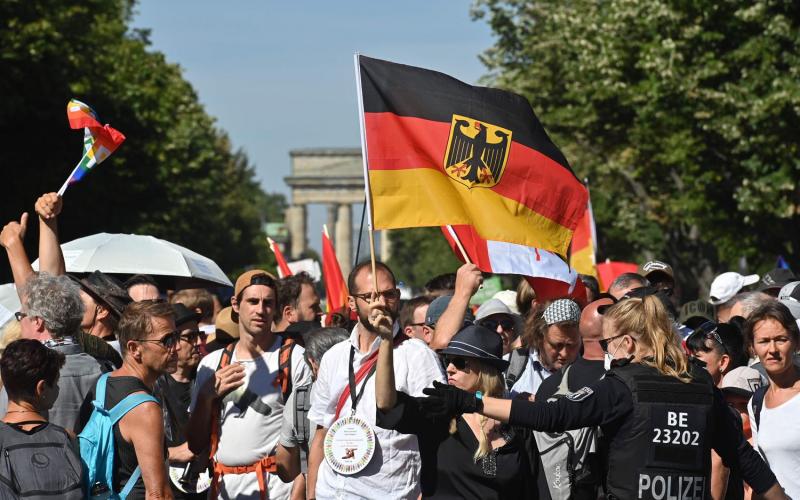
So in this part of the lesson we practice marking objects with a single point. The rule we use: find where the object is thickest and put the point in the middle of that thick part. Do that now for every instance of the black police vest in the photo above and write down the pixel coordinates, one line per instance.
(665, 455)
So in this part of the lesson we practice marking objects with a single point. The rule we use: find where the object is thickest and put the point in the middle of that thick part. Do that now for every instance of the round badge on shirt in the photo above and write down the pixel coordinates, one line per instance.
(349, 445)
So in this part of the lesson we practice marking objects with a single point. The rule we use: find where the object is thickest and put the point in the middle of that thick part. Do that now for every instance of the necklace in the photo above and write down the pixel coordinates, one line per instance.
(22, 411)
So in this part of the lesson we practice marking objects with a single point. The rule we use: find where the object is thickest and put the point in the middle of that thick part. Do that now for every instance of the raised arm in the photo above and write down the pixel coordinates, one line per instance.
(468, 280)
(12, 238)
(51, 260)
(385, 390)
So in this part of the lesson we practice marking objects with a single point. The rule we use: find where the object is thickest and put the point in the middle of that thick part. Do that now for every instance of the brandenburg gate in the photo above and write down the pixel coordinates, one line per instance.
(331, 176)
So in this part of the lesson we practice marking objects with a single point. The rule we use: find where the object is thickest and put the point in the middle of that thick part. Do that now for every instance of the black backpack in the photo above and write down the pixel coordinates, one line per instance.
(42, 463)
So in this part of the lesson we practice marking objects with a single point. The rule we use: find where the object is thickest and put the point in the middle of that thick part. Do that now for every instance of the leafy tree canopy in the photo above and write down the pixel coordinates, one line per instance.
(684, 116)
(176, 176)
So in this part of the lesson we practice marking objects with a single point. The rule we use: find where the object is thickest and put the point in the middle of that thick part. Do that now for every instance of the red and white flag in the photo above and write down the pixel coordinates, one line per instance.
(546, 272)
(283, 267)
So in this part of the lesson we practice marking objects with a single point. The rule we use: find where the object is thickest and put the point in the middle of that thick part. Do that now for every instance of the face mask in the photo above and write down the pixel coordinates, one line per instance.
(608, 358)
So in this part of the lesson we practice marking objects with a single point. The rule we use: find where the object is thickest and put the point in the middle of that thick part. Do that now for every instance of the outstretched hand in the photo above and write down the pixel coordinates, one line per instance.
(447, 401)
(14, 232)
(49, 205)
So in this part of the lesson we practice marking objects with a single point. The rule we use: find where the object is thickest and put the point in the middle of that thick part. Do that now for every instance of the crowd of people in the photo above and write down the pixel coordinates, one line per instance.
(121, 389)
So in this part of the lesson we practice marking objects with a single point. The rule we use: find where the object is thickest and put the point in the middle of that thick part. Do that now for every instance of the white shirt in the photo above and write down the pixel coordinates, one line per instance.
(394, 470)
(532, 377)
(247, 435)
(778, 441)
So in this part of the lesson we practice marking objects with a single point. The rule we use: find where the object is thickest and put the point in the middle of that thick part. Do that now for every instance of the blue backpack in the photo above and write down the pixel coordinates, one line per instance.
(97, 443)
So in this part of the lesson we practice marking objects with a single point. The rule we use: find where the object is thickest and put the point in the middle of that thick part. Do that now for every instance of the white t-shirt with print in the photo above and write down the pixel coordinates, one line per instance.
(247, 435)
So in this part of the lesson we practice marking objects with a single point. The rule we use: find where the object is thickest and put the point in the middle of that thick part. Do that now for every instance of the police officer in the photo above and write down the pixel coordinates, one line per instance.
(660, 416)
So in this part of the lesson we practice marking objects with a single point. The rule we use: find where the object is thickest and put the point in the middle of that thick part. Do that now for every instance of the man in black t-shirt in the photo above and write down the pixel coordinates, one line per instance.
(174, 390)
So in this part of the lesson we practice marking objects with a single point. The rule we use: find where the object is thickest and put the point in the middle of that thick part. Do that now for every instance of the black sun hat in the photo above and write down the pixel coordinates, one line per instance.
(106, 290)
(474, 341)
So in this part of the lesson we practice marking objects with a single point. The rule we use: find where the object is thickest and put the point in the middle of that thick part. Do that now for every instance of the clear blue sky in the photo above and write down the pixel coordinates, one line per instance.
(279, 75)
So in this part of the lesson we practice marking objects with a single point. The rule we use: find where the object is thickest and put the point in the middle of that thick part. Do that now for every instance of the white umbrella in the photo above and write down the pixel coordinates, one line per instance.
(129, 254)
(9, 302)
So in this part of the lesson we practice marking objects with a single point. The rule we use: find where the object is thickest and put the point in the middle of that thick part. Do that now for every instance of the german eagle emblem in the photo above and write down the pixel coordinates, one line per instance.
(477, 152)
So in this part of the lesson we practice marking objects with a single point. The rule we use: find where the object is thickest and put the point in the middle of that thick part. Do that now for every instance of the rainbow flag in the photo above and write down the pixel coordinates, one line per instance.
(99, 141)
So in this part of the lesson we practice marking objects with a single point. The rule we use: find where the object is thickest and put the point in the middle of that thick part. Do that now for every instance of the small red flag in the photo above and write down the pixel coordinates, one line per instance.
(609, 270)
(283, 267)
(335, 286)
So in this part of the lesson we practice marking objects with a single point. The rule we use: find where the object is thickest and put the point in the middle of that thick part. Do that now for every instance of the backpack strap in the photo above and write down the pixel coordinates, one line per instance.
(126, 490)
(563, 386)
(517, 364)
(100, 392)
(758, 403)
(284, 377)
(129, 403)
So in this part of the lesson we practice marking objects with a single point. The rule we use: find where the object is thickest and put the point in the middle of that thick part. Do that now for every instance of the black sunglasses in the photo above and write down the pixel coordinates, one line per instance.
(507, 324)
(191, 337)
(457, 361)
(604, 342)
(168, 341)
(390, 295)
(19, 315)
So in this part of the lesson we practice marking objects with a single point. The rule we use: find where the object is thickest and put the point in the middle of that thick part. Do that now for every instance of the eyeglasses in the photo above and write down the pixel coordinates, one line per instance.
(19, 315)
(168, 341)
(191, 337)
(390, 295)
(459, 362)
(604, 342)
(506, 323)
(709, 331)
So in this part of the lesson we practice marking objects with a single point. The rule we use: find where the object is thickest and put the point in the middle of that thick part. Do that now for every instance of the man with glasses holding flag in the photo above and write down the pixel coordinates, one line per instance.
(350, 457)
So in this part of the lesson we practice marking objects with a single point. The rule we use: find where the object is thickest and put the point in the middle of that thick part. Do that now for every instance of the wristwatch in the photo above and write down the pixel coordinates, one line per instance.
(479, 401)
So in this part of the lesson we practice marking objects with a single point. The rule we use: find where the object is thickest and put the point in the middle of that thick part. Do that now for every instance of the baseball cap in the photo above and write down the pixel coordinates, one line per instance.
(742, 381)
(562, 310)
(496, 306)
(790, 297)
(246, 279)
(726, 285)
(695, 313)
(776, 279)
(509, 298)
(105, 289)
(652, 268)
(437, 308)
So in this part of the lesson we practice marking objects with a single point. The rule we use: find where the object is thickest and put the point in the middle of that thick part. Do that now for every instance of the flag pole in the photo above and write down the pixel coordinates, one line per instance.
(365, 163)
(66, 182)
(458, 244)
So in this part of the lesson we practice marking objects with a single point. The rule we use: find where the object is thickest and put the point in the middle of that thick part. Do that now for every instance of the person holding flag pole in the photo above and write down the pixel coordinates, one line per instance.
(350, 457)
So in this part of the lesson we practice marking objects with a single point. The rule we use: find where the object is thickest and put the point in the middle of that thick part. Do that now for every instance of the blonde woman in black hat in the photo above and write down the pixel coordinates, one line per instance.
(469, 456)
(660, 417)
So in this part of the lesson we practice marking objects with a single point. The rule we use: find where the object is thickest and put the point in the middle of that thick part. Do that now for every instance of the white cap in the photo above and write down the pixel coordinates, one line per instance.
(743, 381)
(790, 297)
(726, 285)
(509, 298)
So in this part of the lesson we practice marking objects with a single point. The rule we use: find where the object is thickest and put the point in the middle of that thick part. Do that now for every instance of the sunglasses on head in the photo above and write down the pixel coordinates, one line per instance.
(168, 341)
(506, 323)
(390, 295)
(457, 361)
(709, 331)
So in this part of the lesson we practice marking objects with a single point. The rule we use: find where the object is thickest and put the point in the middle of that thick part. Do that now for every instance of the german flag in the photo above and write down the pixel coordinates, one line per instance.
(441, 152)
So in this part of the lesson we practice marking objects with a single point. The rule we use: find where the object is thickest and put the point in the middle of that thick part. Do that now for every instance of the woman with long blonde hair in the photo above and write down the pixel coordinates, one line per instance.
(660, 416)
(463, 456)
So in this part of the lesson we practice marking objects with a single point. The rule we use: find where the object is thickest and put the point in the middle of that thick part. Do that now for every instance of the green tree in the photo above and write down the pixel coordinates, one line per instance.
(684, 115)
(176, 176)
(419, 254)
